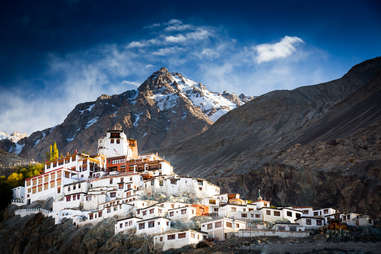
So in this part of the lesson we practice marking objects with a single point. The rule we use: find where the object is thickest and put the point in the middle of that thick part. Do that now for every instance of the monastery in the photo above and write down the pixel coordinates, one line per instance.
(147, 198)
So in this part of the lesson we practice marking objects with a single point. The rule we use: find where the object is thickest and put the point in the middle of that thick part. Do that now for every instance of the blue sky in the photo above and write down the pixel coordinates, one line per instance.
(56, 54)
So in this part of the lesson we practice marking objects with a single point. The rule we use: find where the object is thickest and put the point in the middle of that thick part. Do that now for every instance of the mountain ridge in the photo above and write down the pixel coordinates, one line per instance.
(154, 113)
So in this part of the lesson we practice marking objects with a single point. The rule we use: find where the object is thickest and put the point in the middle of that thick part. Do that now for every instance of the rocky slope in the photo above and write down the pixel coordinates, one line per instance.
(316, 145)
(166, 109)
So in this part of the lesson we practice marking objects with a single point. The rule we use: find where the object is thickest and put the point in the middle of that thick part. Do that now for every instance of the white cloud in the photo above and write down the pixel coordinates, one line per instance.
(268, 52)
(167, 51)
(199, 34)
(178, 28)
(133, 83)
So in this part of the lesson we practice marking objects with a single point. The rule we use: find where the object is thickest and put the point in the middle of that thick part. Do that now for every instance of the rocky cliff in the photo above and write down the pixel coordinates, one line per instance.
(317, 145)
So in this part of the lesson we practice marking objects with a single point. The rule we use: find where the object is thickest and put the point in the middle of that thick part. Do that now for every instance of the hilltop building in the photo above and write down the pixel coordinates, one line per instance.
(147, 198)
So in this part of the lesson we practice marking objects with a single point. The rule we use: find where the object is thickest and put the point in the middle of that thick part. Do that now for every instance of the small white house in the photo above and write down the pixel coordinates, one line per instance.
(127, 224)
(311, 222)
(307, 211)
(355, 219)
(182, 213)
(289, 227)
(219, 228)
(153, 226)
(178, 239)
(274, 215)
(18, 192)
(324, 212)
(151, 212)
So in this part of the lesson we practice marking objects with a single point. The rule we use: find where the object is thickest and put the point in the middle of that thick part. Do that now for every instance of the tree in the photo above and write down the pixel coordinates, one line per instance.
(55, 152)
(51, 153)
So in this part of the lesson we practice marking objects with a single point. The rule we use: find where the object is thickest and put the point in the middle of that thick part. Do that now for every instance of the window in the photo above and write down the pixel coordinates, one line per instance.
(151, 211)
(209, 226)
(229, 224)
(141, 225)
(281, 228)
(305, 211)
(192, 235)
(276, 213)
(170, 214)
(325, 211)
(74, 187)
(67, 198)
(112, 141)
(110, 180)
(244, 215)
(181, 235)
(171, 237)
(215, 209)
(308, 221)
(289, 214)
(293, 228)
(113, 194)
(67, 174)
(212, 201)
(120, 225)
(234, 209)
(268, 212)
(318, 222)
(74, 197)
(218, 224)
(78, 195)
(161, 238)
(144, 213)
(237, 225)
(257, 216)
(118, 141)
(109, 210)
(183, 211)
(316, 213)
(151, 224)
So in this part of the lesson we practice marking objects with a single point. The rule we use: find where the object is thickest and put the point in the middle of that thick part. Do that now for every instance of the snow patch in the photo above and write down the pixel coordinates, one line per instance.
(216, 115)
(137, 118)
(17, 148)
(89, 108)
(165, 101)
(91, 122)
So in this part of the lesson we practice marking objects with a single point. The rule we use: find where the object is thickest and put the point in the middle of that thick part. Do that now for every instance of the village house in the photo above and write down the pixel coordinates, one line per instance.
(153, 226)
(126, 224)
(274, 215)
(355, 219)
(184, 213)
(289, 227)
(178, 239)
(219, 228)
(310, 222)
(151, 212)
(178, 186)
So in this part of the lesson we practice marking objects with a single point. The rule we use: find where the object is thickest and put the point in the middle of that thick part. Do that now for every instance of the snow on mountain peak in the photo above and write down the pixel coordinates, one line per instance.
(167, 87)
(14, 136)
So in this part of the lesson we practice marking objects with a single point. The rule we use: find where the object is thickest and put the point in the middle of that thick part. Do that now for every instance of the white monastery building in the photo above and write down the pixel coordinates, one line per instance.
(145, 197)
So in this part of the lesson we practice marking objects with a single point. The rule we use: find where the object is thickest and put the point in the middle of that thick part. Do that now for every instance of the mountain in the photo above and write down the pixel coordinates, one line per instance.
(317, 145)
(166, 109)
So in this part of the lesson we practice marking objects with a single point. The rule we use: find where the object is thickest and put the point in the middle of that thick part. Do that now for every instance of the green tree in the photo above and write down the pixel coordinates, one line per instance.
(51, 153)
(55, 151)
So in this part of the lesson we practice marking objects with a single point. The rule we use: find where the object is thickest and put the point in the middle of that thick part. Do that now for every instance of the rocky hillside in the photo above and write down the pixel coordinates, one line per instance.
(316, 145)
(166, 109)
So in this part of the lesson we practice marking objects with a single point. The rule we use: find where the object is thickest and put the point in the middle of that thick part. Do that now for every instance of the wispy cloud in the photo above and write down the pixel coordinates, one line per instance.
(282, 49)
(203, 53)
